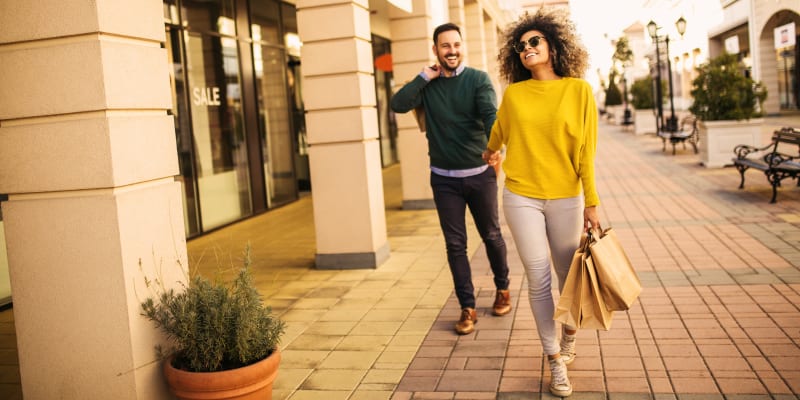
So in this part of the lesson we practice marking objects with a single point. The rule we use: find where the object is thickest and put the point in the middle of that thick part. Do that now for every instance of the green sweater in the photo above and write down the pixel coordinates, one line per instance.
(459, 114)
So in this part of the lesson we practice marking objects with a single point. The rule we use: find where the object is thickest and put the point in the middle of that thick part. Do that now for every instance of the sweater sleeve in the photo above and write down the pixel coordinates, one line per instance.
(409, 96)
(486, 101)
(497, 137)
(587, 171)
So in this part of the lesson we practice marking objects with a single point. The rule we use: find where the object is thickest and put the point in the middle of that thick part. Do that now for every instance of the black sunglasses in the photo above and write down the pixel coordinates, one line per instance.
(533, 42)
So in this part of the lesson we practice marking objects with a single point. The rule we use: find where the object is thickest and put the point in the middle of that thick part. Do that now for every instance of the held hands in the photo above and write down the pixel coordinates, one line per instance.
(431, 71)
(492, 157)
(590, 219)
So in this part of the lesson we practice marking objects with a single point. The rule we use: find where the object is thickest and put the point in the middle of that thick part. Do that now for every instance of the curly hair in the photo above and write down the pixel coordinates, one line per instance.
(570, 57)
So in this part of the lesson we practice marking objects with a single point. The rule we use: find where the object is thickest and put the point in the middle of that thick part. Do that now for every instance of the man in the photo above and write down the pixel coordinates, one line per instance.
(460, 107)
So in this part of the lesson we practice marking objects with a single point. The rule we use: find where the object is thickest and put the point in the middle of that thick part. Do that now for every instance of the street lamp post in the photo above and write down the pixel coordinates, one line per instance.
(671, 124)
(651, 28)
(626, 119)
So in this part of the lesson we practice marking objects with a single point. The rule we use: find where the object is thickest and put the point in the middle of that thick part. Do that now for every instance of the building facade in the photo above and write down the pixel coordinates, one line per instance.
(764, 34)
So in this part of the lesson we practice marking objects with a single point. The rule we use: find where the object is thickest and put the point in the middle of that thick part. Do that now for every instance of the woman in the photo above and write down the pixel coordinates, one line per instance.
(548, 123)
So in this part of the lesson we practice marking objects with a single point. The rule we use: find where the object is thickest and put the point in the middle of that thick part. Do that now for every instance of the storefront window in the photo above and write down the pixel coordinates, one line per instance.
(265, 22)
(274, 124)
(209, 16)
(788, 87)
(387, 126)
(235, 107)
(275, 127)
(183, 133)
(5, 279)
(294, 80)
(220, 150)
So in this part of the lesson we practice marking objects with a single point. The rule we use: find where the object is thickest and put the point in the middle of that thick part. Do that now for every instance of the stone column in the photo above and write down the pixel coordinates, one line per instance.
(457, 16)
(475, 36)
(87, 157)
(492, 68)
(342, 123)
(412, 45)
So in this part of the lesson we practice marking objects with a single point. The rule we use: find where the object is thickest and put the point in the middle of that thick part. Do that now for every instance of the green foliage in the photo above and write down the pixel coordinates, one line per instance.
(613, 94)
(622, 52)
(216, 326)
(722, 92)
(642, 93)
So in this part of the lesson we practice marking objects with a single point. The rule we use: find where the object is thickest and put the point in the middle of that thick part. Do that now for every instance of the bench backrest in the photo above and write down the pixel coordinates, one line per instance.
(688, 122)
(786, 139)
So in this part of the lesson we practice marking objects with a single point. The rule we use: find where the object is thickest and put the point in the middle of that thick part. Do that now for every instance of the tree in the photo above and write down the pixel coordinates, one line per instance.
(622, 52)
(642, 93)
(623, 57)
(613, 95)
(722, 92)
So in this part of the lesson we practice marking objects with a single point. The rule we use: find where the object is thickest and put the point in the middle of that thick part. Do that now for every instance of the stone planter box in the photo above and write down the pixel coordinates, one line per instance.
(718, 138)
(613, 113)
(644, 121)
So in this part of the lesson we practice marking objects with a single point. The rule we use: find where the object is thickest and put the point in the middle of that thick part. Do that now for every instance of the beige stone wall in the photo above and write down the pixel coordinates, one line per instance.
(765, 61)
(87, 156)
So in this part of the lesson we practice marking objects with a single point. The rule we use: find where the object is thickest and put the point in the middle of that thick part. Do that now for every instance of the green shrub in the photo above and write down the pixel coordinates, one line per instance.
(215, 326)
(722, 92)
(642, 94)
(613, 94)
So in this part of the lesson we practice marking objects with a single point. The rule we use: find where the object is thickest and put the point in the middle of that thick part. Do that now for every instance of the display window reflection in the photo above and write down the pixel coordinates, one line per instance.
(183, 133)
(209, 16)
(274, 124)
(387, 124)
(218, 131)
(273, 80)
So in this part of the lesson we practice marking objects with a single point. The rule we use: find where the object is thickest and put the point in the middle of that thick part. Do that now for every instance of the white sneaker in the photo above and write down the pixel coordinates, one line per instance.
(568, 348)
(559, 381)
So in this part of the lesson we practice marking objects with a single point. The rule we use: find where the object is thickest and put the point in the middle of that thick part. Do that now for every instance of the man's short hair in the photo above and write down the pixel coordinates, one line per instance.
(444, 28)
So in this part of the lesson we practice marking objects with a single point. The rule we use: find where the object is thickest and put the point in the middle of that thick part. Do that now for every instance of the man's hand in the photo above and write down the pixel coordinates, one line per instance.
(431, 71)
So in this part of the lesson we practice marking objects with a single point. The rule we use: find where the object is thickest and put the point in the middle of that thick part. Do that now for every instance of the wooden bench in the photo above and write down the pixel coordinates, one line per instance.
(687, 132)
(778, 160)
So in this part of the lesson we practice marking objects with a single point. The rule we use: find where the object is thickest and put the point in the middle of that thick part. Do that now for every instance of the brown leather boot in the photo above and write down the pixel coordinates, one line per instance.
(467, 322)
(502, 303)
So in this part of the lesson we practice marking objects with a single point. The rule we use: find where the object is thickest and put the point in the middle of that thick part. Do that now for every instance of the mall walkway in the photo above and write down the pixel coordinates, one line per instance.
(719, 316)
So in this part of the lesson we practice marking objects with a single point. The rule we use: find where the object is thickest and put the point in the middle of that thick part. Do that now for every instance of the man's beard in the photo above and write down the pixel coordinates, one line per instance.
(443, 63)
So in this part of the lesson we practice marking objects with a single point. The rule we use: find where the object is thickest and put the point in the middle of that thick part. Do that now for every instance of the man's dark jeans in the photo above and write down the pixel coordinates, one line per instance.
(452, 196)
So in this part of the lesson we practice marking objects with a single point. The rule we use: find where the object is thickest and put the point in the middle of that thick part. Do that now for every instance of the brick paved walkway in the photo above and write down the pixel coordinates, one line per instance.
(718, 317)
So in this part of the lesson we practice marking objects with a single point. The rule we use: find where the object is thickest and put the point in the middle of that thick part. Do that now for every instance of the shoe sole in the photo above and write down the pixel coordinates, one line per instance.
(497, 314)
(466, 332)
(559, 393)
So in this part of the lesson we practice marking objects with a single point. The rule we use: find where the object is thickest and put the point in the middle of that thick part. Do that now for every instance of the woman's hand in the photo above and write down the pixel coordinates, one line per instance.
(491, 157)
(590, 219)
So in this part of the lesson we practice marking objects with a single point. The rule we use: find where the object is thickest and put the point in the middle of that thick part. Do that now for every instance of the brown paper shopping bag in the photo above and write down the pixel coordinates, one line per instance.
(581, 305)
(568, 308)
(619, 282)
(595, 314)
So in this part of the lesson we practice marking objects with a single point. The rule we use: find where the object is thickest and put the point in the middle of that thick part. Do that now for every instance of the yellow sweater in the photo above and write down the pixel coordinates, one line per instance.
(550, 131)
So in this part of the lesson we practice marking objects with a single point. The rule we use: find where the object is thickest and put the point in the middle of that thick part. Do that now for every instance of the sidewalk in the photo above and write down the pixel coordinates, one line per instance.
(718, 317)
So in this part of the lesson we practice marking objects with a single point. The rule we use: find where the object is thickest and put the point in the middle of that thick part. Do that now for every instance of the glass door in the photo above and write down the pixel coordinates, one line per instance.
(5, 279)
(274, 109)
(218, 132)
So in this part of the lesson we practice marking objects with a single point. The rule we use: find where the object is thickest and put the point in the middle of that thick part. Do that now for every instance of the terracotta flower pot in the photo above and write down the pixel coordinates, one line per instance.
(247, 383)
